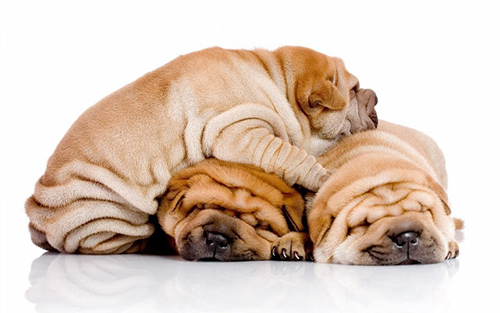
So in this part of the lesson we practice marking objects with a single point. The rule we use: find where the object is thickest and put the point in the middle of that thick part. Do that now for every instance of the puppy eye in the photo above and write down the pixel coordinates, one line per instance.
(331, 79)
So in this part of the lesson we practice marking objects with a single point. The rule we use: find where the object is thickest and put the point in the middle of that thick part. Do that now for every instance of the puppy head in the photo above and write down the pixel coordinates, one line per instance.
(392, 216)
(217, 210)
(328, 94)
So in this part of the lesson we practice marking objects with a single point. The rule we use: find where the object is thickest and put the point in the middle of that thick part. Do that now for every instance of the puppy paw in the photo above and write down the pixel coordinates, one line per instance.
(453, 250)
(293, 246)
(324, 178)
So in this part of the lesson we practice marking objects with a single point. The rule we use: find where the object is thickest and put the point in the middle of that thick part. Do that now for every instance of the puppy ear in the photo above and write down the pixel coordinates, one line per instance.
(312, 93)
(439, 189)
(170, 206)
(293, 221)
(319, 228)
(176, 202)
(446, 206)
(327, 95)
(444, 198)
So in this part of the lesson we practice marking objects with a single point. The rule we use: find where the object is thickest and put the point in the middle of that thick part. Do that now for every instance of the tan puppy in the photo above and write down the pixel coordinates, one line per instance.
(385, 202)
(226, 211)
(276, 110)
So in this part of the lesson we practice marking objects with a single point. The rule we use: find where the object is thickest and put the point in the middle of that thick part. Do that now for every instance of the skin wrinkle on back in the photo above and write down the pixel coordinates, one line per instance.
(362, 196)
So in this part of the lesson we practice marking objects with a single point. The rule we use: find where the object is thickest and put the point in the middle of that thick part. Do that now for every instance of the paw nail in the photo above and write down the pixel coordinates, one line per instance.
(284, 254)
(297, 257)
(274, 252)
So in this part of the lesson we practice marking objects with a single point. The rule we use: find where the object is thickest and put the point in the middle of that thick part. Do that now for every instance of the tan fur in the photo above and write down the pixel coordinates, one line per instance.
(276, 110)
(254, 211)
(385, 182)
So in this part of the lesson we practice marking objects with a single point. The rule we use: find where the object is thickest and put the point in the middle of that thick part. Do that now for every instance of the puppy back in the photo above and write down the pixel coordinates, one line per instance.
(390, 139)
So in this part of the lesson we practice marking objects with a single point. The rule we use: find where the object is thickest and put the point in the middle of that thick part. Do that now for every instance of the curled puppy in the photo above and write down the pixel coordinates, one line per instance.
(224, 211)
(273, 109)
(385, 202)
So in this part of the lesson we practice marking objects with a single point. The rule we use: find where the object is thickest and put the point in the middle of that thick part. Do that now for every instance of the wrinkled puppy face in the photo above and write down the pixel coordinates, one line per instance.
(387, 224)
(211, 232)
(330, 96)
(223, 211)
(333, 122)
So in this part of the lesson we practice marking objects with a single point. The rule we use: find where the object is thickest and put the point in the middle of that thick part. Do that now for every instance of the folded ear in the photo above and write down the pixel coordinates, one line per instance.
(444, 198)
(174, 200)
(439, 189)
(293, 218)
(328, 96)
(313, 94)
(446, 206)
(170, 210)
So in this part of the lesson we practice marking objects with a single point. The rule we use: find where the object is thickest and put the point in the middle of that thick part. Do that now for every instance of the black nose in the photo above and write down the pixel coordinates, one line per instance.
(216, 240)
(406, 239)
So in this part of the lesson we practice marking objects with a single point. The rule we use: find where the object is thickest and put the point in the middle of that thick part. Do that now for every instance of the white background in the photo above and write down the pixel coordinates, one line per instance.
(433, 64)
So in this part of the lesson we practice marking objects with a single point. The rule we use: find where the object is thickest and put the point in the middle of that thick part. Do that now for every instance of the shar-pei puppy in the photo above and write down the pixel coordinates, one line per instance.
(274, 109)
(217, 210)
(385, 202)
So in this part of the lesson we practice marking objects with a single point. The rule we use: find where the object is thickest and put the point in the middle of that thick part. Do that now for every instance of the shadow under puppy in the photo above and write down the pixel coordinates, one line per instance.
(385, 202)
(217, 210)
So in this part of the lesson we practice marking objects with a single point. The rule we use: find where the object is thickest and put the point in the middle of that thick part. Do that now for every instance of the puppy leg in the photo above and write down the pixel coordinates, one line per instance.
(88, 226)
(453, 250)
(88, 209)
(263, 141)
(293, 246)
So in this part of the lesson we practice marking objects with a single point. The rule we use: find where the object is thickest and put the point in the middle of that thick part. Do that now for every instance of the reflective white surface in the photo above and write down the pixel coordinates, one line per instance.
(145, 283)
(69, 283)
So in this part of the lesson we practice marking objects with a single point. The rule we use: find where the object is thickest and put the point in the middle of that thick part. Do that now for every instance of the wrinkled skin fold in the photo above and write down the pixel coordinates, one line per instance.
(224, 211)
(277, 110)
(385, 203)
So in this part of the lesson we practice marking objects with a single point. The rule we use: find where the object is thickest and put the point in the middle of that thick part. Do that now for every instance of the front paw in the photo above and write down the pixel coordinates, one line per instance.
(293, 246)
(325, 177)
(452, 250)
(321, 180)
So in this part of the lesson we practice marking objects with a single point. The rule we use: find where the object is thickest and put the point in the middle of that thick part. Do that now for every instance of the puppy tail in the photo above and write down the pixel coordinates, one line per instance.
(459, 224)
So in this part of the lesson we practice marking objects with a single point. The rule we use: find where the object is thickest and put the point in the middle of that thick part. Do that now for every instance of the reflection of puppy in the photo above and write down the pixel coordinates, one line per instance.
(387, 289)
(273, 109)
(148, 283)
(225, 211)
(385, 202)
